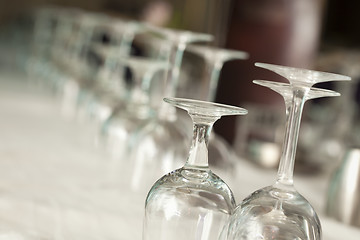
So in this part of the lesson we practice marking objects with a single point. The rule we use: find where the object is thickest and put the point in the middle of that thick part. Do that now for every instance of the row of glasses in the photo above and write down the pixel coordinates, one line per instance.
(180, 39)
(279, 213)
(313, 93)
(103, 109)
(190, 198)
(71, 46)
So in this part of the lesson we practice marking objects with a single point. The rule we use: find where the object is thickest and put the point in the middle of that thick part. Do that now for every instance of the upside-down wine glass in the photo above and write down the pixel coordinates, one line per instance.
(279, 211)
(215, 58)
(82, 69)
(52, 29)
(121, 125)
(191, 202)
(151, 152)
(110, 90)
(74, 33)
(122, 36)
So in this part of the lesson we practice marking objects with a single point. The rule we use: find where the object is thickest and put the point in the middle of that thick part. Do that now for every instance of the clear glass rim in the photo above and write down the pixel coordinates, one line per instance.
(214, 51)
(204, 108)
(180, 35)
(313, 93)
(308, 76)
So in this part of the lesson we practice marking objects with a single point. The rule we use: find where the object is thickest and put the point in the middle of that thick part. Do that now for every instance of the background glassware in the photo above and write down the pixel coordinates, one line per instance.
(118, 129)
(69, 54)
(82, 70)
(158, 48)
(220, 153)
(151, 152)
(279, 211)
(330, 128)
(111, 88)
(191, 198)
(214, 58)
(259, 136)
(343, 191)
(41, 43)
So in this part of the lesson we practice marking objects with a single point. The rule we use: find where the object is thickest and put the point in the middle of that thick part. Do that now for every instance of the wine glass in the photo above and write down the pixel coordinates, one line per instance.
(110, 90)
(215, 58)
(50, 35)
(83, 71)
(279, 211)
(119, 127)
(191, 198)
(150, 151)
(74, 33)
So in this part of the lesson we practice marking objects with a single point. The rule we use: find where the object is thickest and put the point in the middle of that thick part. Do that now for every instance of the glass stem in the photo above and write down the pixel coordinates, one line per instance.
(166, 111)
(213, 73)
(294, 108)
(198, 155)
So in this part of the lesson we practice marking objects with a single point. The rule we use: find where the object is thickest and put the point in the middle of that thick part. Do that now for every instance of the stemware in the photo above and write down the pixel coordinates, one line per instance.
(110, 89)
(73, 36)
(122, 36)
(150, 150)
(279, 211)
(121, 124)
(82, 69)
(191, 198)
(215, 58)
(335, 124)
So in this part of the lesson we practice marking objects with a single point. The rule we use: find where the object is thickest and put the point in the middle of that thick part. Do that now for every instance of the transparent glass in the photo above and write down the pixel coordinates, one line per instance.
(110, 91)
(42, 38)
(118, 129)
(191, 202)
(220, 152)
(161, 144)
(75, 34)
(279, 211)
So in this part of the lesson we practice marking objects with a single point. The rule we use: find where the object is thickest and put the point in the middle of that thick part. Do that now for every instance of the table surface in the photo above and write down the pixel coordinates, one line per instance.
(49, 163)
